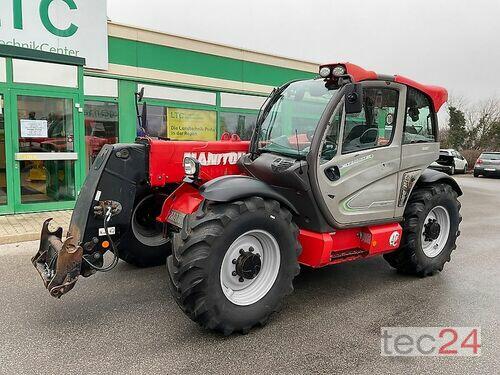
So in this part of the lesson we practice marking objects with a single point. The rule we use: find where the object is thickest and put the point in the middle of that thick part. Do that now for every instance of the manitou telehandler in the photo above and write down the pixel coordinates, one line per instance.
(335, 171)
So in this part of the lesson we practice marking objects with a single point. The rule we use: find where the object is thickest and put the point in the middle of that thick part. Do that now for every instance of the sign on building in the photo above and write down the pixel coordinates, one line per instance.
(34, 128)
(191, 124)
(67, 27)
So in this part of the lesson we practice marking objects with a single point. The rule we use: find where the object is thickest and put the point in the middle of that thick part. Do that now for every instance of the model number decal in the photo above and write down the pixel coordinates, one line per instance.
(356, 161)
(209, 158)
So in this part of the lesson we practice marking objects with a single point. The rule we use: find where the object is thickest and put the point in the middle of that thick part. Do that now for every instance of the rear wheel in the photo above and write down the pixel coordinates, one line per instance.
(431, 227)
(144, 245)
(233, 264)
(476, 174)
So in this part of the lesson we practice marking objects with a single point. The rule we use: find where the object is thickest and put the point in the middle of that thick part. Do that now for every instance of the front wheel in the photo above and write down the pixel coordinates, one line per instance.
(430, 229)
(144, 244)
(233, 264)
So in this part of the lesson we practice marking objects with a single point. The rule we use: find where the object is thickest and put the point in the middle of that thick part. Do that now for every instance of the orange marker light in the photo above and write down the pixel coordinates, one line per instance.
(105, 244)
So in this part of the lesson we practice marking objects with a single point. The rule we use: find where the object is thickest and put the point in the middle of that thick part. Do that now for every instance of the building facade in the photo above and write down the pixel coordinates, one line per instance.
(56, 113)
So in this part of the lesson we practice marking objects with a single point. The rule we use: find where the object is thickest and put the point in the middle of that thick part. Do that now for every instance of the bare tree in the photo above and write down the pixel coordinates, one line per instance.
(473, 126)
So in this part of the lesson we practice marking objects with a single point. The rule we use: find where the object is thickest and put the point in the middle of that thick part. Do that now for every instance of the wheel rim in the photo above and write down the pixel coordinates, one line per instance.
(242, 284)
(144, 225)
(434, 237)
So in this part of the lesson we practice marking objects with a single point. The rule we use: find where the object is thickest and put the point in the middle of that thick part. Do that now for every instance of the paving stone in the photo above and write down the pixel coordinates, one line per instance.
(27, 227)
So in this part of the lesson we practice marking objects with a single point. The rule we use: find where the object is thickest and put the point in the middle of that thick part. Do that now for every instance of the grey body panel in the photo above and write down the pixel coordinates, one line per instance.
(367, 189)
(415, 158)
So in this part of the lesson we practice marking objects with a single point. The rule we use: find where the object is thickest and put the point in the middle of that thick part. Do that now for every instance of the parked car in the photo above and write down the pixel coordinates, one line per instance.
(450, 161)
(488, 164)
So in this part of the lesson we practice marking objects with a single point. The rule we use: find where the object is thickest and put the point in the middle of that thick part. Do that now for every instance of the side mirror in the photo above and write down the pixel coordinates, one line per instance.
(144, 116)
(140, 95)
(141, 117)
(414, 114)
(353, 98)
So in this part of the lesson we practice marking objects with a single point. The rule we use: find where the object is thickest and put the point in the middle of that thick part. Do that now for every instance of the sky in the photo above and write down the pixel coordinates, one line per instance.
(451, 43)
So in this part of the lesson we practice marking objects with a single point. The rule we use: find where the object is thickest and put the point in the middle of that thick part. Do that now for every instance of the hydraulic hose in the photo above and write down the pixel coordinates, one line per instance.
(114, 262)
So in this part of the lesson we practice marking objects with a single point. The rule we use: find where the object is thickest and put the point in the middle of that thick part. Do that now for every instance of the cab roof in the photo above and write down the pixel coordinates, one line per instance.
(437, 94)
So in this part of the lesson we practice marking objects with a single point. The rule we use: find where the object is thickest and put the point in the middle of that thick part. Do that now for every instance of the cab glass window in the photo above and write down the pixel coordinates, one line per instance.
(374, 126)
(419, 122)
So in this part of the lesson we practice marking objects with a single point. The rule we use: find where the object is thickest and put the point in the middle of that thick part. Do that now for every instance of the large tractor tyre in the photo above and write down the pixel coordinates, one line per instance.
(430, 229)
(233, 263)
(144, 245)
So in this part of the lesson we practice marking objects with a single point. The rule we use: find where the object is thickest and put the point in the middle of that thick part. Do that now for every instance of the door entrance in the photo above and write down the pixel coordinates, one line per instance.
(45, 150)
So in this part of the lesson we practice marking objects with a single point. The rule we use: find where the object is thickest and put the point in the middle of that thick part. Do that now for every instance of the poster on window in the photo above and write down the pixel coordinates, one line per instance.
(191, 125)
(34, 129)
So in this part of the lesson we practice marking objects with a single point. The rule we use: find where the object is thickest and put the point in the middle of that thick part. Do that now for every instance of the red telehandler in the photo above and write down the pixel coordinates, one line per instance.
(336, 171)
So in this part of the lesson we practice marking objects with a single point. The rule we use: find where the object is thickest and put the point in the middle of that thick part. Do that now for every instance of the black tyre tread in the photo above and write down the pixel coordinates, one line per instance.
(404, 259)
(185, 266)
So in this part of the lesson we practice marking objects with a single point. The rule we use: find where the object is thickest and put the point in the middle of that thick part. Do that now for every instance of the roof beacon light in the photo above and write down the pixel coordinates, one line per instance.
(338, 71)
(325, 71)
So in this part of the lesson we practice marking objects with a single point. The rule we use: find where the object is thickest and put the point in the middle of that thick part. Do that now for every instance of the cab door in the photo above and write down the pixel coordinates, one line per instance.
(358, 182)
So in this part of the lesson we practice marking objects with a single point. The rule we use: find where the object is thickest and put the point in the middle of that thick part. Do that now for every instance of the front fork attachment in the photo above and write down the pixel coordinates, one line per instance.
(58, 263)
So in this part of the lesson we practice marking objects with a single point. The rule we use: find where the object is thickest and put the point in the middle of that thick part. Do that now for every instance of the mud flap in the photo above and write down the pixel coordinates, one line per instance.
(58, 263)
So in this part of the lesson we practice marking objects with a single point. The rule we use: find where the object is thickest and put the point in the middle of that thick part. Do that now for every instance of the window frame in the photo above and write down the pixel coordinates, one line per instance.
(396, 109)
(90, 99)
(222, 111)
(433, 117)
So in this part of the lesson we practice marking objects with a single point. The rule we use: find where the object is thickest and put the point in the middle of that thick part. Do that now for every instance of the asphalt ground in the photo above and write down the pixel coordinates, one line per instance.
(126, 322)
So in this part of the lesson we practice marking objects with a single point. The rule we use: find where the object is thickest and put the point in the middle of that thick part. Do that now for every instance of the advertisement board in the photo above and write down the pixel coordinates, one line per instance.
(67, 27)
(191, 124)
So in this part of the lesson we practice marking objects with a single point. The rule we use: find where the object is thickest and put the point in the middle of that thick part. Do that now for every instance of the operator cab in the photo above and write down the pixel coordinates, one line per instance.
(349, 141)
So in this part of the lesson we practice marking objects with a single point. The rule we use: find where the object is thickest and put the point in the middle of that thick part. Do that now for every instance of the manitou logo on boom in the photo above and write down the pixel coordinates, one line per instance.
(208, 158)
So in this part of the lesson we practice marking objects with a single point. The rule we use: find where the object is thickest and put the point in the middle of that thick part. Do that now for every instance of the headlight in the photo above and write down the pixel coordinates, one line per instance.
(191, 167)
(338, 71)
(325, 71)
